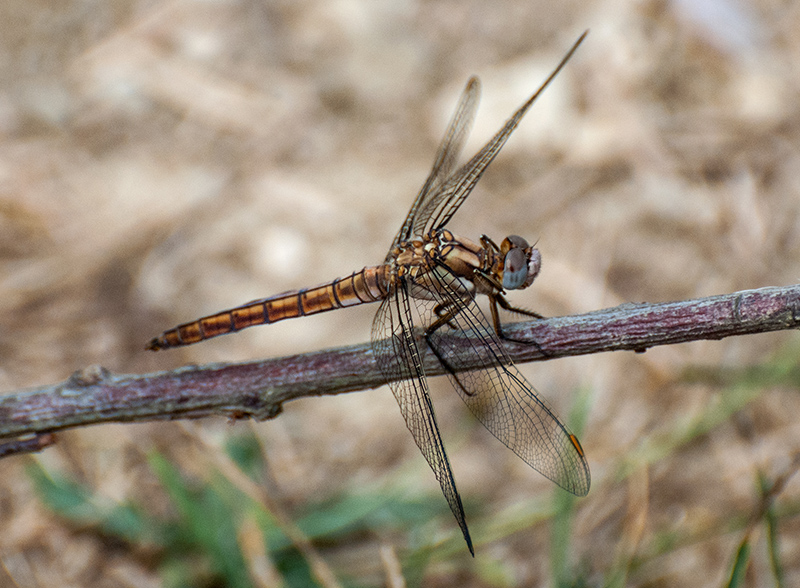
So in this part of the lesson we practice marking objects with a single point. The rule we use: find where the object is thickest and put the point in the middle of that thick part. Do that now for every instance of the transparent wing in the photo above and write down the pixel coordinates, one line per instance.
(495, 391)
(397, 354)
(436, 210)
(446, 156)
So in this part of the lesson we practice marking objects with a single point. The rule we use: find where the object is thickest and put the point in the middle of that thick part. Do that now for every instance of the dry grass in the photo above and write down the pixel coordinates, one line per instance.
(162, 160)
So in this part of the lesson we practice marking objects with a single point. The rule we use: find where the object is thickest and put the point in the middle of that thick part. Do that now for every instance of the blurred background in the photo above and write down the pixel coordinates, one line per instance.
(162, 160)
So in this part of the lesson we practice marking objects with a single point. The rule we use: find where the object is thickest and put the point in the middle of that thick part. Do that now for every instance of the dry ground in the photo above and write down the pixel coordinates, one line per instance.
(160, 160)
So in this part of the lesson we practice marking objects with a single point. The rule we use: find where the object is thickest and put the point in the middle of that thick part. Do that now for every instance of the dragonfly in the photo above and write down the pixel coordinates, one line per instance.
(427, 288)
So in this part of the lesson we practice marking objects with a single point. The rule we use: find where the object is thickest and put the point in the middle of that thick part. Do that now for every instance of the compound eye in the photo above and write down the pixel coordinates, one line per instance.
(515, 269)
(517, 241)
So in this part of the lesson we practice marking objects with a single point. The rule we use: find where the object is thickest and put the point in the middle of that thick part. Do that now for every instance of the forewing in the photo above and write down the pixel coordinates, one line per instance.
(397, 354)
(446, 156)
(499, 395)
(435, 212)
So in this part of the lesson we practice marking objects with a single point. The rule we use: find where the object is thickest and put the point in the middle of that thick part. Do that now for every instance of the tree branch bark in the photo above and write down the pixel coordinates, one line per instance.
(258, 389)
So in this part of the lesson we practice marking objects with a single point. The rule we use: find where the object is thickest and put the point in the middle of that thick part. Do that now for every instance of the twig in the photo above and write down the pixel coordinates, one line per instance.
(259, 389)
(27, 444)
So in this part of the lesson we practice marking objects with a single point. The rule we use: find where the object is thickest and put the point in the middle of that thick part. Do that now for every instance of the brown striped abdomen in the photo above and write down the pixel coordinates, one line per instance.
(367, 285)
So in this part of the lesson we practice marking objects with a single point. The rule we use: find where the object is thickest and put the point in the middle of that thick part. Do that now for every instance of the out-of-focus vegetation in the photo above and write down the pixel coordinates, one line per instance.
(163, 160)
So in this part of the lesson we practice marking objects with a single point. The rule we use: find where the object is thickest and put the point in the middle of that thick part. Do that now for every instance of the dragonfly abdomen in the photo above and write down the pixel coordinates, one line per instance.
(367, 285)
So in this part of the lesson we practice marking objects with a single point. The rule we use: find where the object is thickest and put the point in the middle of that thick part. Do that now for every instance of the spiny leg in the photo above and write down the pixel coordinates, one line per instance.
(440, 310)
(498, 328)
(446, 313)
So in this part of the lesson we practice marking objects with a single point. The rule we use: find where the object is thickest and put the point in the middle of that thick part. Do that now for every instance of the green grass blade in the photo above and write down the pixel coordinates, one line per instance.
(740, 564)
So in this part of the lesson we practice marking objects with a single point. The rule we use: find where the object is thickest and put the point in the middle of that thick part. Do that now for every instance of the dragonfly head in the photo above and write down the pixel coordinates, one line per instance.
(521, 263)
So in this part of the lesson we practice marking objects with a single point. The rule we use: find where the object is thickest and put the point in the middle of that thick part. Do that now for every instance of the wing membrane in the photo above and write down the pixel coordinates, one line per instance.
(498, 394)
(436, 211)
(397, 354)
(446, 156)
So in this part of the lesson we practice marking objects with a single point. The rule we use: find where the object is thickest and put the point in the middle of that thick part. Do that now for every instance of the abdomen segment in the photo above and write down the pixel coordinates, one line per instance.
(367, 285)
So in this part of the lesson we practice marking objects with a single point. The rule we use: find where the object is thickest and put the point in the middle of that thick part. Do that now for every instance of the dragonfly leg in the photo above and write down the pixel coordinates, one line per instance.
(487, 242)
(441, 310)
(498, 327)
(509, 307)
(445, 312)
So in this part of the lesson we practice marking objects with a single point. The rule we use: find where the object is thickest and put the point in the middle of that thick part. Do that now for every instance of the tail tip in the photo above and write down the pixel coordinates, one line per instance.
(154, 344)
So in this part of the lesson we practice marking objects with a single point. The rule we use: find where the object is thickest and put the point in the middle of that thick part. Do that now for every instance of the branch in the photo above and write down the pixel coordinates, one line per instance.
(259, 389)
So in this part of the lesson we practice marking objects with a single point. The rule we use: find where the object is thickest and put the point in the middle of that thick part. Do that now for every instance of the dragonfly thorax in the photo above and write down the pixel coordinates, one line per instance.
(483, 268)
(440, 250)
